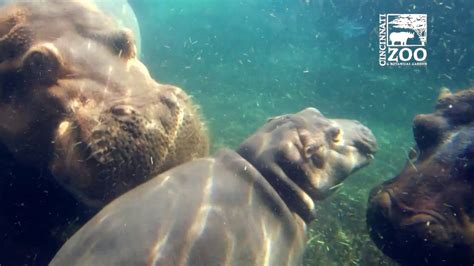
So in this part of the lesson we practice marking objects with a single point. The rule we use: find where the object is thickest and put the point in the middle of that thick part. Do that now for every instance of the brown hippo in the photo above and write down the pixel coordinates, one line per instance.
(245, 207)
(425, 215)
(74, 99)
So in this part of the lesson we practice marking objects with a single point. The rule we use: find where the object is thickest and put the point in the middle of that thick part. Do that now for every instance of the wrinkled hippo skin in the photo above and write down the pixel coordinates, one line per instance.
(74, 99)
(245, 207)
(119, 10)
(424, 216)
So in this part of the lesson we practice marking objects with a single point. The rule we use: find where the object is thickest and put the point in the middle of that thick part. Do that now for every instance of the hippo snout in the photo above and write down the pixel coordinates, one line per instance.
(399, 225)
(382, 201)
(103, 154)
(365, 141)
(359, 136)
(423, 216)
(122, 140)
(381, 210)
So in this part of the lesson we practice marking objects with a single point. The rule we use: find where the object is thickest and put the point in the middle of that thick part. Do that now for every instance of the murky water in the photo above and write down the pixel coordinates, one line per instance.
(244, 61)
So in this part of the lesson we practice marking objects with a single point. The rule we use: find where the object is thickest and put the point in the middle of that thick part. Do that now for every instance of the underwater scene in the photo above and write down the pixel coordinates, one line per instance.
(244, 61)
(73, 86)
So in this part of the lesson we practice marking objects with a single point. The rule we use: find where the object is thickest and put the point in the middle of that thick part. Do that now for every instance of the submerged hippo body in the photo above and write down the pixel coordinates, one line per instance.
(244, 207)
(424, 216)
(74, 99)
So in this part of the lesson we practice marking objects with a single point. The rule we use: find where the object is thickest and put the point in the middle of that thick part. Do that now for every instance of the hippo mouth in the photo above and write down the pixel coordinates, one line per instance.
(400, 230)
(360, 139)
(366, 149)
(363, 154)
(391, 220)
(421, 218)
(365, 143)
(413, 216)
(100, 162)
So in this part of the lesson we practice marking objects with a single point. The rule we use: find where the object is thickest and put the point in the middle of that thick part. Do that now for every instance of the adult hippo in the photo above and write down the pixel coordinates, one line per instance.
(75, 99)
(119, 10)
(424, 216)
(244, 207)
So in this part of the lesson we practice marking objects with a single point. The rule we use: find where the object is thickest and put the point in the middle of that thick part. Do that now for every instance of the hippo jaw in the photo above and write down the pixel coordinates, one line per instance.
(75, 99)
(427, 209)
(351, 146)
(305, 155)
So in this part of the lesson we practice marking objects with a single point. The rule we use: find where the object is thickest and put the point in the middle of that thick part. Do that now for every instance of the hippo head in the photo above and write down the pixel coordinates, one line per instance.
(75, 99)
(304, 156)
(425, 215)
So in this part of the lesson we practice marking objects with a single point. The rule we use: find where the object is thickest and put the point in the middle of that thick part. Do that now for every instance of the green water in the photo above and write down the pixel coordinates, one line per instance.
(244, 61)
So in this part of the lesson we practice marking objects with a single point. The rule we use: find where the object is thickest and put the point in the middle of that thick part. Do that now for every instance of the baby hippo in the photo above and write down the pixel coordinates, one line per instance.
(245, 207)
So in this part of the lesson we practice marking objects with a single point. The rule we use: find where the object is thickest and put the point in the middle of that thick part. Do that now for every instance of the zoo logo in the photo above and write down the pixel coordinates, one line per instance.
(402, 39)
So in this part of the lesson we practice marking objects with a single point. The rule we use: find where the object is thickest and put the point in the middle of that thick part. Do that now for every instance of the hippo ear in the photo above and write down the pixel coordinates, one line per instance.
(444, 93)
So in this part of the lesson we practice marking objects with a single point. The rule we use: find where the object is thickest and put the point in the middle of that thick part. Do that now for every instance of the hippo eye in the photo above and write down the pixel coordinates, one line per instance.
(312, 149)
(315, 153)
(272, 118)
(280, 117)
(335, 134)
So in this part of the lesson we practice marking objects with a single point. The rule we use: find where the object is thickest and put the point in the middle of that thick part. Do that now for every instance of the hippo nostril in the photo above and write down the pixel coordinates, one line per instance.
(367, 142)
(367, 147)
(384, 200)
(382, 204)
(123, 110)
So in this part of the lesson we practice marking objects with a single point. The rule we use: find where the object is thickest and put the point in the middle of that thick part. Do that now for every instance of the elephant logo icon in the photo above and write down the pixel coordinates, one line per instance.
(407, 29)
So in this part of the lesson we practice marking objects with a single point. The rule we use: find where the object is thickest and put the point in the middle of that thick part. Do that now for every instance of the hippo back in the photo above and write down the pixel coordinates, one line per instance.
(212, 218)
